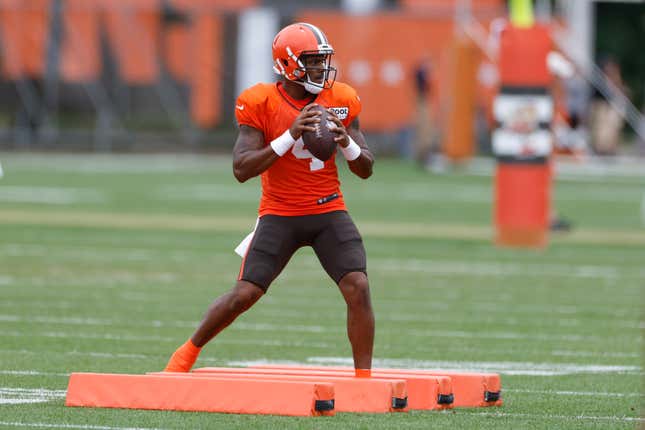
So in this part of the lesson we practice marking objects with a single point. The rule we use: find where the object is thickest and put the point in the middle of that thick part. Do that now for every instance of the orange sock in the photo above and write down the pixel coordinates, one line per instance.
(363, 373)
(184, 358)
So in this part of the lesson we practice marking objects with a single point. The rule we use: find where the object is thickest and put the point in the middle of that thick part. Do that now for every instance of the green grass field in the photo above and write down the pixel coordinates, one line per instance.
(107, 263)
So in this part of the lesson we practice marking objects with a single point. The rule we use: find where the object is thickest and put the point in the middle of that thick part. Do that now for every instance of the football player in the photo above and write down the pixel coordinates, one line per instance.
(301, 203)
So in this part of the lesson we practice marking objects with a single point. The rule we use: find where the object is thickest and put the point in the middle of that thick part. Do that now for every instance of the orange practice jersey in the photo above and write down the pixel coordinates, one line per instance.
(296, 182)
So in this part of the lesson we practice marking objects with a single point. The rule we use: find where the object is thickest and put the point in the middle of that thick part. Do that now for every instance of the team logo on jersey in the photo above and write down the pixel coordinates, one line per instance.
(341, 112)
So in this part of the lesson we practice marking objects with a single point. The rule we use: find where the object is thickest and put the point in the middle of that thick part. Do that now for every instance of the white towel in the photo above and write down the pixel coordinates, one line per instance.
(244, 245)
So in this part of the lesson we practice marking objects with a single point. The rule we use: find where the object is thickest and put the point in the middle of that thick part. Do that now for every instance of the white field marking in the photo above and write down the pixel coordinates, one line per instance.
(511, 321)
(479, 193)
(300, 343)
(111, 253)
(6, 280)
(504, 367)
(592, 170)
(176, 222)
(411, 305)
(108, 280)
(501, 335)
(31, 373)
(108, 355)
(130, 338)
(50, 195)
(599, 171)
(70, 426)
(103, 322)
(157, 323)
(489, 309)
(266, 327)
(277, 343)
(103, 336)
(116, 163)
(44, 392)
(57, 320)
(552, 417)
(612, 354)
(208, 192)
(15, 396)
(433, 266)
(491, 268)
(598, 394)
(4, 401)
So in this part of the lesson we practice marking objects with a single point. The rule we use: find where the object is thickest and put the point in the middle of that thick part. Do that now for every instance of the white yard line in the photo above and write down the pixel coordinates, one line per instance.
(51, 195)
(104, 336)
(267, 327)
(207, 192)
(504, 367)
(613, 354)
(552, 417)
(70, 426)
(105, 253)
(229, 224)
(598, 394)
(131, 338)
(490, 268)
(16, 396)
(478, 334)
(30, 373)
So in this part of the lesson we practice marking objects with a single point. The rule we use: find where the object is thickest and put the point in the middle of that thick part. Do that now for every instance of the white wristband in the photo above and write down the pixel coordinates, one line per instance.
(352, 151)
(283, 143)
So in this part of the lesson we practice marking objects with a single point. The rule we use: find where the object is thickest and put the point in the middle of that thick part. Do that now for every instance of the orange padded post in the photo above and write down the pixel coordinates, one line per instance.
(522, 204)
(470, 389)
(459, 141)
(522, 141)
(352, 394)
(178, 392)
(424, 392)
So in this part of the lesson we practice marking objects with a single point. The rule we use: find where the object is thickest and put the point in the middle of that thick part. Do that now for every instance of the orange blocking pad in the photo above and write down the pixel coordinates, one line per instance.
(424, 392)
(352, 394)
(205, 394)
(470, 389)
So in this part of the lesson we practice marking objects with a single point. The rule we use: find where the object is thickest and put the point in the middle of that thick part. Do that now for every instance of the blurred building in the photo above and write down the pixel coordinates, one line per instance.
(150, 74)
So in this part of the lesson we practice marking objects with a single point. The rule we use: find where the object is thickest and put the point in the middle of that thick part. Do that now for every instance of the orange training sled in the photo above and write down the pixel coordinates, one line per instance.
(470, 389)
(205, 394)
(424, 392)
(351, 394)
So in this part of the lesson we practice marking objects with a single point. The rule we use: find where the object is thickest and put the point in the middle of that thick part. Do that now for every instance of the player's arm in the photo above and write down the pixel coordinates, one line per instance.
(361, 166)
(252, 157)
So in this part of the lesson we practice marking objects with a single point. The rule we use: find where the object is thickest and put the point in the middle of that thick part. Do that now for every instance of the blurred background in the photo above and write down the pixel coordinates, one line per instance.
(159, 75)
(119, 213)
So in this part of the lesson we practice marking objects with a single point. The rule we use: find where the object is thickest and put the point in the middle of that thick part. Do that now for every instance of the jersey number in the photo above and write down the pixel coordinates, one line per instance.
(300, 152)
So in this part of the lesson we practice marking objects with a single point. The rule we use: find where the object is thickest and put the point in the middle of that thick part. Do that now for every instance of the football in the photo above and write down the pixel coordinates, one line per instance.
(321, 142)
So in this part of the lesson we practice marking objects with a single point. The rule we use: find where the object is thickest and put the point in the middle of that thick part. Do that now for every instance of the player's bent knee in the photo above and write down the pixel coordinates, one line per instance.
(355, 289)
(243, 296)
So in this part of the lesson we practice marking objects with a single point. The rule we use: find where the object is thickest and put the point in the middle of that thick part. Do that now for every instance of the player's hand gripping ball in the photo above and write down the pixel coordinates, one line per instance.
(320, 142)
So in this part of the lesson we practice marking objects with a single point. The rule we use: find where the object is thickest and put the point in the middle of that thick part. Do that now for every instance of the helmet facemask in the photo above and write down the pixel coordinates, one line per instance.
(316, 64)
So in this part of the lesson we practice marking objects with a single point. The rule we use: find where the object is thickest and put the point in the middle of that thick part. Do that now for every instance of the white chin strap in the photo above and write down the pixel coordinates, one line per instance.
(311, 87)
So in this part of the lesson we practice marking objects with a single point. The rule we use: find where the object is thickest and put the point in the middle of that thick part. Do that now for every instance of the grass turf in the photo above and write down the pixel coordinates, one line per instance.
(107, 263)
